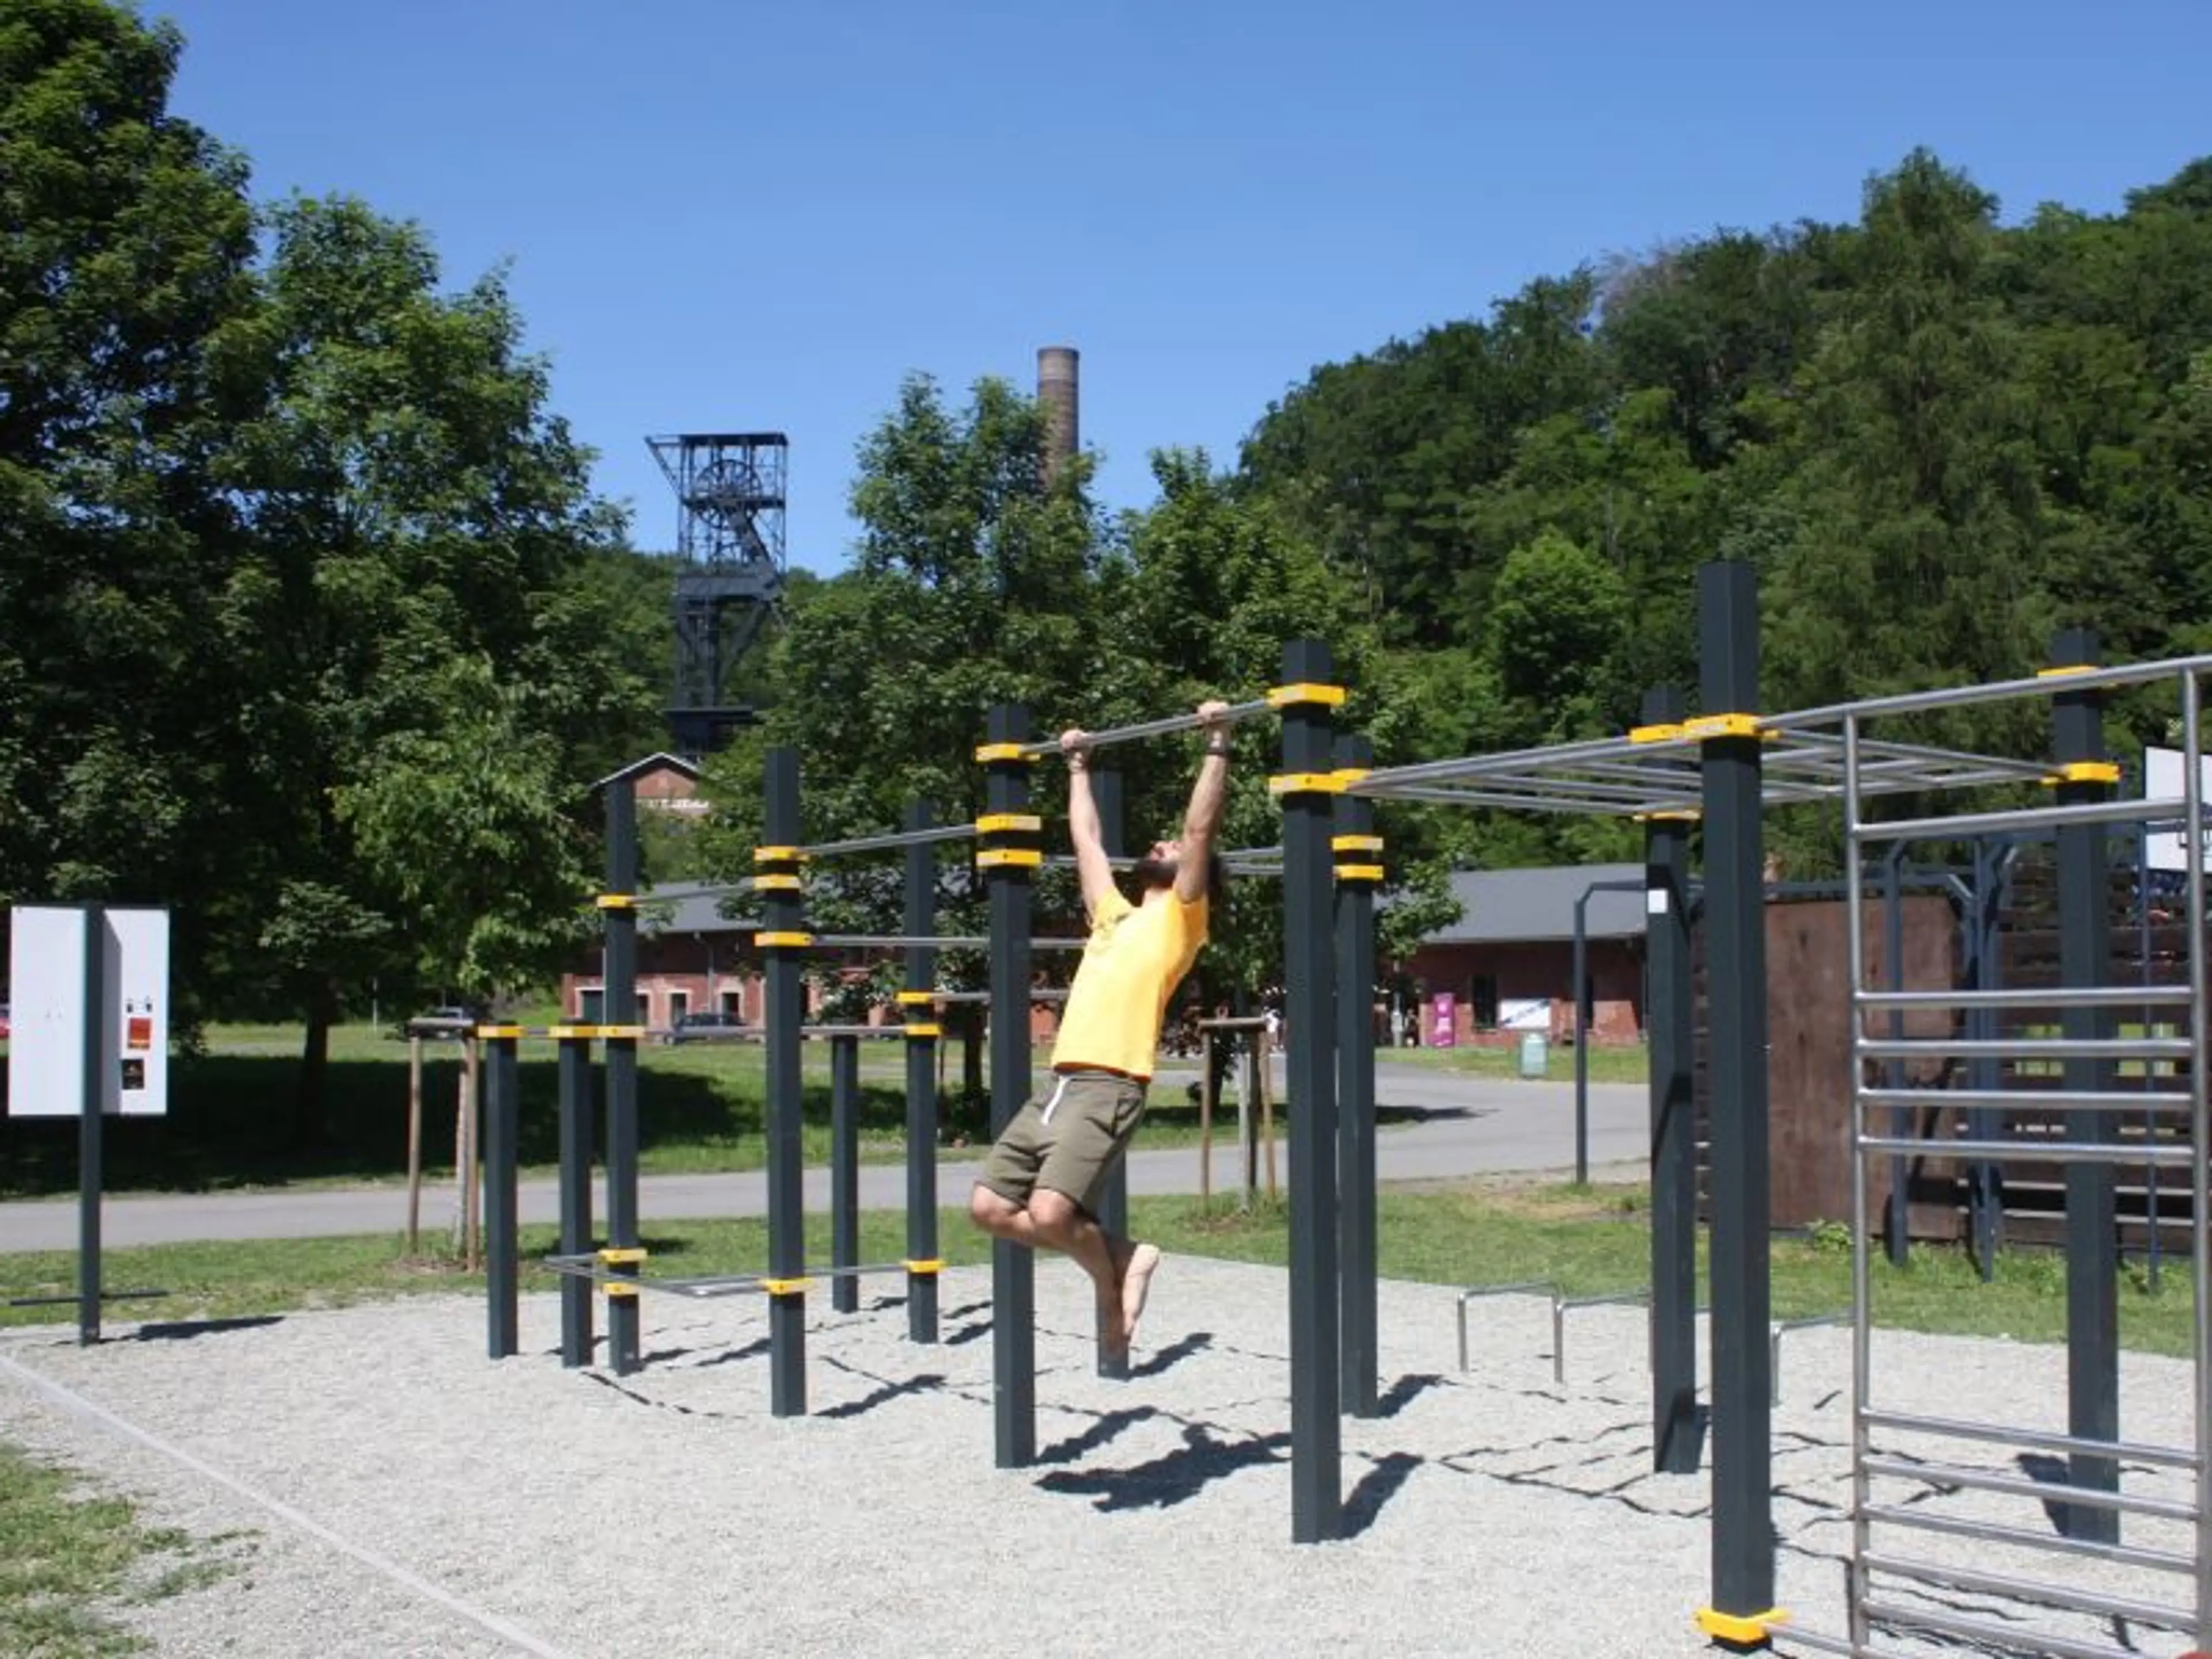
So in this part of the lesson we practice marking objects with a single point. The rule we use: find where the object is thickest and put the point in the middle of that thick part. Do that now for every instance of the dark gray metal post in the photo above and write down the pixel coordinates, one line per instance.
(1007, 858)
(2092, 1334)
(1582, 1037)
(575, 1078)
(91, 1131)
(501, 1121)
(1670, 1023)
(845, 1170)
(618, 914)
(1735, 956)
(1358, 859)
(921, 1242)
(783, 940)
(1307, 788)
(1114, 1205)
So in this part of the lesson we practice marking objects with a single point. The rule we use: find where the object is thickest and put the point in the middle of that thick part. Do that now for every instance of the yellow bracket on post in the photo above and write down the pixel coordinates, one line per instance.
(1000, 823)
(1305, 783)
(1359, 872)
(992, 858)
(617, 1291)
(496, 1032)
(1671, 815)
(916, 1032)
(1722, 725)
(793, 941)
(622, 1255)
(1355, 843)
(2061, 673)
(617, 900)
(1745, 1631)
(779, 884)
(1287, 696)
(916, 999)
(988, 752)
(935, 1265)
(779, 855)
(1351, 775)
(2083, 772)
(1666, 733)
(786, 1286)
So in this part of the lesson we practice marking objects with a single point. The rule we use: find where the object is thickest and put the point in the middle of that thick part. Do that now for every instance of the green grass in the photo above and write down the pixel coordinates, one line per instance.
(1586, 1239)
(1624, 1062)
(69, 1556)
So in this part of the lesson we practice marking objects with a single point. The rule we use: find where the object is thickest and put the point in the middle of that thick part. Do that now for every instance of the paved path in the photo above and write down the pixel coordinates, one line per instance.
(1462, 1126)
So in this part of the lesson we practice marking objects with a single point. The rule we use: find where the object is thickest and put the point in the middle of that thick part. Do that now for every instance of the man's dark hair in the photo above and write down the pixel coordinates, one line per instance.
(1161, 873)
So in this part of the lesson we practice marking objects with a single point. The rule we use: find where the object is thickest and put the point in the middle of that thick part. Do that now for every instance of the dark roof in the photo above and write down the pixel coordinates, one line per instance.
(1502, 907)
(695, 907)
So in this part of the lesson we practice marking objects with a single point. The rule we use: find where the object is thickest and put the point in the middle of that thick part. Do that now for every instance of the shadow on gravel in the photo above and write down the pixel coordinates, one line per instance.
(752, 1350)
(1377, 1487)
(1174, 1354)
(2046, 1470)
(982, 1328)
(185, 1330)
(1404, 1391)
(889, 1391)
(1174, 1478)
(966, 1307)
(1103, 1428)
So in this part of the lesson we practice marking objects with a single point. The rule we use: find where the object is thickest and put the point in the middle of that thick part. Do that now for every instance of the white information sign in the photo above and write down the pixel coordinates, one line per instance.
(2165, 779)
(48, 1013)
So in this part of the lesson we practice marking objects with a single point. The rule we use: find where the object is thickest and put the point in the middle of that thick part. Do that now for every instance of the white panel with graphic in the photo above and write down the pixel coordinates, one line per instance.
(2165, 779)
(47, 1011)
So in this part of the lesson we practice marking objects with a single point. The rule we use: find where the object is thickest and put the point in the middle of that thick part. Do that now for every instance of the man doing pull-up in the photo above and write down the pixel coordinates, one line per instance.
(1045, 1178)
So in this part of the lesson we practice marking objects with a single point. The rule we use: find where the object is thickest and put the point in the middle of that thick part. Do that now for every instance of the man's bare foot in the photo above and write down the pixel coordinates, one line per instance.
(1136, 1284)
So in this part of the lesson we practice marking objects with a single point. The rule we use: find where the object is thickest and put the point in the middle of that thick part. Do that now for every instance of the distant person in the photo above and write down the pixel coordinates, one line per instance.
(1044, 1180)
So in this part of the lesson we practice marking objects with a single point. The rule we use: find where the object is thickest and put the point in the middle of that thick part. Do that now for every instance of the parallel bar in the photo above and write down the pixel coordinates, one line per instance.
(2028, 1100)
(1158, 728)
(1560, 1305)
(2027, 1589)
(620, 999)
(1309, 883)
(2001, 1636)
(921, 969)
(1525, 1287)
(2073, 1153)
(932, 941)
(1963, 826)
(501, 1266)
(1959, 696)
(786, 1012)
(890, 840)
(2063, 1445)
(1013, 1268)
(2057, 997)
(845, 1169)
(573, 1065)
(2027, 1047)
(1670, 1023)
(2092, 1318)
(1355, 1073)
(1921, 1518)
(2063, 1494)
(1735, 925)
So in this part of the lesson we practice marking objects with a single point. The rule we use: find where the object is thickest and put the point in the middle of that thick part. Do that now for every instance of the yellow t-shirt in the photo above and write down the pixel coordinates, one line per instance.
(1135, 958)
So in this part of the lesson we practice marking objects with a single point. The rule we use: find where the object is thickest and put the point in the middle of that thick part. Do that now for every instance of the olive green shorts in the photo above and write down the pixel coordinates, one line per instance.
(1068, 1139)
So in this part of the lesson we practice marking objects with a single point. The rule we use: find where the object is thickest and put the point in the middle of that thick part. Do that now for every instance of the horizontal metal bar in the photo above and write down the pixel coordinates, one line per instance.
(2032, 1150)
(1518, 1287)
(1920, 1519)
(2024, 1048)
(1618, 1299)
(829, 849)
(72, 1298)
(1794, 1635)
(2040, 1491)
(2086, 996)
(1160, 728)
(851, 1033)
(2030, 1439)
(2031, 1100)
(2028, 1589)
(1964, 826)
(1999, 1636)
(708, 1286)
(1449, 797)
(1959, 696)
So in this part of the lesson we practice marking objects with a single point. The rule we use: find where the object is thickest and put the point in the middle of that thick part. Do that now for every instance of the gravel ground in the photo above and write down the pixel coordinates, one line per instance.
(376, 1488)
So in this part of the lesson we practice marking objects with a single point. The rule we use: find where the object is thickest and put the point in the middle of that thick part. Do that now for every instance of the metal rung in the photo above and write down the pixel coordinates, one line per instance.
(2086, 996)
(2025, 1048)
(2034, 1151)
(2027, 1589)
(1920, 1519)
(2028, 1100)
(2002, 1636)
(2042, 1492)
(2174, 1457)
(1964, 826)
(1559, 1306)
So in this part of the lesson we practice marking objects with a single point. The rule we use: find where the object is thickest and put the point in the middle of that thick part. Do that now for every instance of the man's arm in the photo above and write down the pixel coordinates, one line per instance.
(1094, 870)
(1208, 796)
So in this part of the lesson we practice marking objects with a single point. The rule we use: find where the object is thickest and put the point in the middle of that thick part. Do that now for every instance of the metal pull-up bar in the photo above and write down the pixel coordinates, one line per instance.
(1158, 728)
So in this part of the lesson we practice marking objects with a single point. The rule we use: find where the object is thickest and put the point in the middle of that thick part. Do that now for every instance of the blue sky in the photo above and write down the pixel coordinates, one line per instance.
(721, 215)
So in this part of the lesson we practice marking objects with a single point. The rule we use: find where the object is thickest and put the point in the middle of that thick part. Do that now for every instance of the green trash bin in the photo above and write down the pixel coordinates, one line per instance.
(1535, 1054)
